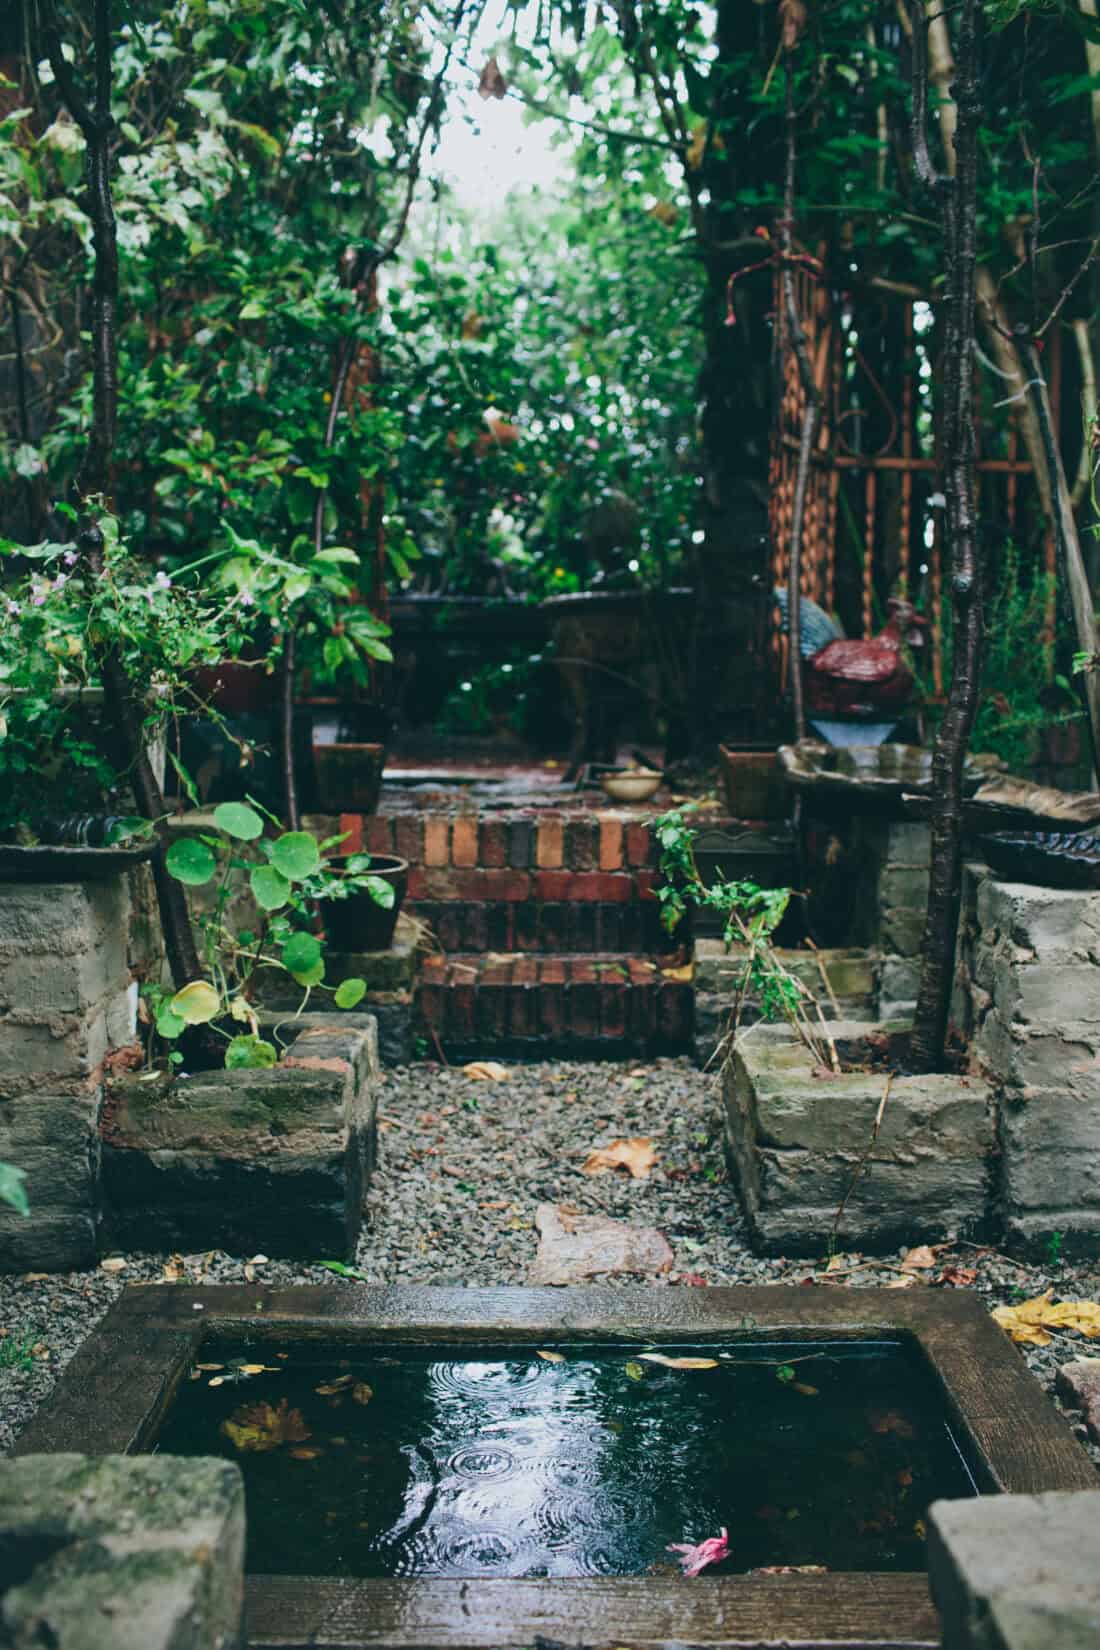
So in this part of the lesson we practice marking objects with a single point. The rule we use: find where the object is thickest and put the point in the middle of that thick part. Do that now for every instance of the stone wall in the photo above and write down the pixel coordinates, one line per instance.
(1028, 999)
(66, 998)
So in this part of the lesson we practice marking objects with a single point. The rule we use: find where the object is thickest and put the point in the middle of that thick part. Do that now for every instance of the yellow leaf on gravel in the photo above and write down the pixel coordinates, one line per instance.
(486, 1071)
(1029, 1322)
(678, 1363)
(635, 1155)
(918, 1260)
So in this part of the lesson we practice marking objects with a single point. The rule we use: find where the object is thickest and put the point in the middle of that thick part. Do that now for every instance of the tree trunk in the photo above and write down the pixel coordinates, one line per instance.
(957, 192)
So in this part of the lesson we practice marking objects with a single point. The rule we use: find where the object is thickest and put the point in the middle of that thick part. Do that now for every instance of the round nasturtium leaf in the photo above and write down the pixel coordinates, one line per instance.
(296, 855)
(196, 1003)
(190, 861)
(301, 953)
(309, 976)
(269, 887)
(239, 820)
(170, 1024)
(245, 1053)
(350, 992)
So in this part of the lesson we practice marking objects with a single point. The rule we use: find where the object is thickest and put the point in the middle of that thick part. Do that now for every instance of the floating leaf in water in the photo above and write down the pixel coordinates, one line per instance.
(891, 1420)
(784, 1373)
(634, 1371)
(216, 1380)
(259, 1427)
(301, 1453)
(696, 1558)
(340, 1384)
(209, 1366)
(361, 1393)
(551, 1357)
(805, 1388)
(678, 1363)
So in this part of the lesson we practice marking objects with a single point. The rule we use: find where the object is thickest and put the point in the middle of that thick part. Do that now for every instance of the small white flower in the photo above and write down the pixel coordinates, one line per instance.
(162, 581)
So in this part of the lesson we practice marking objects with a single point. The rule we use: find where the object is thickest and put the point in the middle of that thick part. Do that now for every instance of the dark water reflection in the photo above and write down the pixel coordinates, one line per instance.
(504, 1464)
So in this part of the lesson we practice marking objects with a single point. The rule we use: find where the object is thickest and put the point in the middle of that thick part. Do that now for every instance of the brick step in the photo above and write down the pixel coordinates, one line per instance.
(521, 1005)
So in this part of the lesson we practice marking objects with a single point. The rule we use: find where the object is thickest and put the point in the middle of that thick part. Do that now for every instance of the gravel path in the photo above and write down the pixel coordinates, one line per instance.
(464, 1164)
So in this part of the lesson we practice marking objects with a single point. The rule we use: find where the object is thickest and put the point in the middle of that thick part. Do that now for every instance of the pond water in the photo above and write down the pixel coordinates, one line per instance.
(366, 1462)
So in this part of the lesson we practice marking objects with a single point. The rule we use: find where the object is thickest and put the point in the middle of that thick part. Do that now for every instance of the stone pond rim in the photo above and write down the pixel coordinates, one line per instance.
(115, 1392)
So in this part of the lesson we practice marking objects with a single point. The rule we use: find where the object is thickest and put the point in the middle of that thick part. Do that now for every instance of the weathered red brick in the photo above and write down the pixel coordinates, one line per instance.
(674, 1011)
(550, 848)
(641, 970)
(641, 1012)
(433, 968)
(551, 998)
(605, 886)
(408, 837)
(418, 883)
(611, 843)
(552, 928)
(553, 885)
(475, 926)
(582, 838)
(461, 883)
(639, 844)
(351, 829)
(437, 840)
(583, 1000)
(498, 919)
(492, 843)
(431, 1002)
(582, 925)
(378, 834)
(523, 998)
(462, 1008)
(464, 835)
(446, 924)
(644, 884)
(526, 927)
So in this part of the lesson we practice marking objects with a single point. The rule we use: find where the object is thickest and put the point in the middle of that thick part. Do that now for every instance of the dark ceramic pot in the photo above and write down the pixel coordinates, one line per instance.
(358, 923)
(1052, 859)
(349, 777)
(752, 780)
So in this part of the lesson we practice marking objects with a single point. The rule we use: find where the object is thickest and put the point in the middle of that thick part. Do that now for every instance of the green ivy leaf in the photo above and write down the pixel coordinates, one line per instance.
(249, 1054)
(301, 953)
(170, 1024)
(350, 992)
(307, 977)
(190, 861)
(270, 888)
(296, 855)
(238, 820)
(196, 1003)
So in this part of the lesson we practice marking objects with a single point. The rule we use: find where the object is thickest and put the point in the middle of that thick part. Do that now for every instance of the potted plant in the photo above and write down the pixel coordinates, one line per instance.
(309, 598)
(288, 874)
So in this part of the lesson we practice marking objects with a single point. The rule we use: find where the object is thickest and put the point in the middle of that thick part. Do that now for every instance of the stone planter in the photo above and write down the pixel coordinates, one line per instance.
(794, 1141)
(274, 1160)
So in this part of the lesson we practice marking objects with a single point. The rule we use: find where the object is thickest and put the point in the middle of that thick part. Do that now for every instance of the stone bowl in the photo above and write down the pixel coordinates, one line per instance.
(885, 772)
(630, 785)
(1052, 859)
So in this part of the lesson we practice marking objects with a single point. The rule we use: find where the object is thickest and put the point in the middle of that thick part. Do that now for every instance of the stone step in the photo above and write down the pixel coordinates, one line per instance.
(523, 1005)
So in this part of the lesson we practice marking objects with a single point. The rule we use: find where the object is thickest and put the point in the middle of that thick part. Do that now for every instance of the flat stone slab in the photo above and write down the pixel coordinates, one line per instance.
(573, 1247)
(121, 1553)
(1017, 1572)
(796, 1138)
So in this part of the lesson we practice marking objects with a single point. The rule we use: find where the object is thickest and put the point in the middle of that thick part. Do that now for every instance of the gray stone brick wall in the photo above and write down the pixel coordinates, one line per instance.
(65, 999)
(1028, 997)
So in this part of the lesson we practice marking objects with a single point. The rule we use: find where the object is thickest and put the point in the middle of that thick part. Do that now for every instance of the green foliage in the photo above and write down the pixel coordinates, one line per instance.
(289, 876)
(17, 1352)
(57, 619)
(13, 1189)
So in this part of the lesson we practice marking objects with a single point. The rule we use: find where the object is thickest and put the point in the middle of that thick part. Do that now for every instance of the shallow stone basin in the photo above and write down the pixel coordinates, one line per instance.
(116, 1392)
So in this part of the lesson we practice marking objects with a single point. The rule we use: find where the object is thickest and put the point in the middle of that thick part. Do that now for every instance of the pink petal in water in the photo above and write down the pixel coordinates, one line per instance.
(711, 1551)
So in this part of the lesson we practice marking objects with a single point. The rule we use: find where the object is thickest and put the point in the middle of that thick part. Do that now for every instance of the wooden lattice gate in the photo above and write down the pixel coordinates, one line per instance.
(873, 523)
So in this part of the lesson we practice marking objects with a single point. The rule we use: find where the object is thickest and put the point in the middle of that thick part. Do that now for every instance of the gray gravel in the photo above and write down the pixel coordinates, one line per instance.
(464, 1164)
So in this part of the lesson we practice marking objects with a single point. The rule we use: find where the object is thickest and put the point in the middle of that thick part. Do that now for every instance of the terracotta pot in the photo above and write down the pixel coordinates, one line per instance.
(753, 782)
(358, 923)
(349, 777)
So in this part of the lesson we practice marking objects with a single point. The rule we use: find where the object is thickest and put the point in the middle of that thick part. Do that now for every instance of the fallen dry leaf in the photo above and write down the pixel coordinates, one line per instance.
(252, 1369)
(304, 1453)
(959, 1277)
(804, 1387)
(114, 1263)
(920, 1259)
(682, 976)
(327, 1389)
(493, 84)
(635, 1155)
(485, 1071)
(678, 1363)
(361, 1393)
(552, 1357)
(259, 1427)
(634, 1370)
(1029, 1322)
(891, 1420)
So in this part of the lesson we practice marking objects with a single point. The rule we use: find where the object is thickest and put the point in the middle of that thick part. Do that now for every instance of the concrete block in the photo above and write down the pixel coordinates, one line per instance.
(899, 978)
(901, 929)
(54, 1138)
(1052, 922)
(276, 1160)
(1050, 1152)
(1017, 1572)
(908, 843)
(121, 1553)
(795, 1140)
(1078, 1386)
(904, 886)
